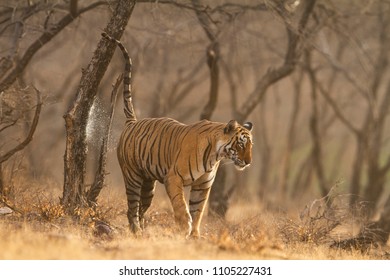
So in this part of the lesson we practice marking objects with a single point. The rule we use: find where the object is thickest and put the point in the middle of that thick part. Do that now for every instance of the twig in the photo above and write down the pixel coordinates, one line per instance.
(40, 42)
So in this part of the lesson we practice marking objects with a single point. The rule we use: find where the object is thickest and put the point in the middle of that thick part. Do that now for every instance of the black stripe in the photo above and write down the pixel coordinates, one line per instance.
(205, 182)
(159, 151)
(131, 192)
(191, 202)
(173, 198)
(147, 196)
(198, 190)
(132, 180)
(190, 169)
(206, 128)
(158, 174)
(149, 133)
(206, 156)
(177, 172)
(196, 156)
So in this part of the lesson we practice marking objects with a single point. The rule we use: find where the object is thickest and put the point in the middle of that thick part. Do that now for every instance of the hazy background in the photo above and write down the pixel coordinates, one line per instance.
(348, 45)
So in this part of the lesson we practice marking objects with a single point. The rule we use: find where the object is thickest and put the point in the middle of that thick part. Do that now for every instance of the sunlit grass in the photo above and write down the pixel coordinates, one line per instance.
(42, 230)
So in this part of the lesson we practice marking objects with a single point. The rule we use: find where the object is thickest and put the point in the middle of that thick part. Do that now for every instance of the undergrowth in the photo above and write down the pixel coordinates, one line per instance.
(321, 223)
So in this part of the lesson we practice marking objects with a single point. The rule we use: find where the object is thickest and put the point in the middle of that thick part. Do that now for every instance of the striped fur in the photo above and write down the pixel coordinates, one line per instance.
(129, 110)
(176, 155)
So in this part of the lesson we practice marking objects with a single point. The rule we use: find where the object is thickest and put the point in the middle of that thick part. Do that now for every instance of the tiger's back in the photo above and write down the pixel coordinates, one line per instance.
(156, 147)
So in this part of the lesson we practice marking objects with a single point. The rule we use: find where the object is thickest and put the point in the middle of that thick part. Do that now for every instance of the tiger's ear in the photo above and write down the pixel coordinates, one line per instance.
(248, 125)
(232, 125)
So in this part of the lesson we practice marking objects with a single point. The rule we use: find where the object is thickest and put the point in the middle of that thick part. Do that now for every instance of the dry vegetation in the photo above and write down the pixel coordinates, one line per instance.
(328, 119)
(39, 229)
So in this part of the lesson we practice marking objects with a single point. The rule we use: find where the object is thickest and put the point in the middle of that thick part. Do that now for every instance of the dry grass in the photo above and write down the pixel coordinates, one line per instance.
(41, 230)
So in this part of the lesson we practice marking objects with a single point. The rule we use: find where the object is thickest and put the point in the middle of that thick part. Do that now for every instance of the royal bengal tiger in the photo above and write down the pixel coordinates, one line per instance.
(176, 155)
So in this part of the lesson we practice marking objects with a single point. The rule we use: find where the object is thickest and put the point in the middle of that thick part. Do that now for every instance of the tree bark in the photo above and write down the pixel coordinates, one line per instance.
(315, 128)
(73, 7)
(290, 140)
(212, 62)
(76, 117)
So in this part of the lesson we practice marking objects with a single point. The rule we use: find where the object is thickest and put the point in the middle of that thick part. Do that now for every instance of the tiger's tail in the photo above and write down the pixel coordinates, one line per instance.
(127, 98)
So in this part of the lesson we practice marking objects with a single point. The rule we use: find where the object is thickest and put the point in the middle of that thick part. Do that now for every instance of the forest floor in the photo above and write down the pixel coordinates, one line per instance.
(39, 229)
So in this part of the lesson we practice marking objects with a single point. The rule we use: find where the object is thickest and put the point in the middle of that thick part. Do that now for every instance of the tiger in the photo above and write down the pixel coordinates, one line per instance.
(176, 155)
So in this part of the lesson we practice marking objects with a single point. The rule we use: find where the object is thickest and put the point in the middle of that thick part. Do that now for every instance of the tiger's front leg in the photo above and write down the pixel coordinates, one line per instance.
(174, 187)
(198, 199)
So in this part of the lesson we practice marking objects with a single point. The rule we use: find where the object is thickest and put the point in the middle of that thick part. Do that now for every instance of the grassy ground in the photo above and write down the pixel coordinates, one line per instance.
(42, 231)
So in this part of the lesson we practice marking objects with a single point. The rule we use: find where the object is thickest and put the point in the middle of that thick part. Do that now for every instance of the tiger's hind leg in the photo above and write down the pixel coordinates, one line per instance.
(133, 185)
(147, 194)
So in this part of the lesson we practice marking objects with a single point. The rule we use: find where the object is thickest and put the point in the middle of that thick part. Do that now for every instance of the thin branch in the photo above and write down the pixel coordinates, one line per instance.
(213, 54)
(73, 7)
(232, 86)
(338, 111)
(40, 42)
(205, 21)
(190, 82)
(8, 125)
(30, 134)
(293, 53)
(220, 8)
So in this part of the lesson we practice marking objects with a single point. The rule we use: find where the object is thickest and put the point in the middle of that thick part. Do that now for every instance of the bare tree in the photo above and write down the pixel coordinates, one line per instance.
(285, 174)
(77, 116)
(296, 43)
(369, 136)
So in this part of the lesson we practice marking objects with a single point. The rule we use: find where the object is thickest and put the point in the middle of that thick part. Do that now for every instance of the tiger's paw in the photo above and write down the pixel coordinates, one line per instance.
(195, 235)
(136, 230)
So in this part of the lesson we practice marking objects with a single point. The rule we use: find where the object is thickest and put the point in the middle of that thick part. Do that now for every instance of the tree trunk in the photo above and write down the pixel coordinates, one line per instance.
(77, 116)
(219, 200)
(315, 128)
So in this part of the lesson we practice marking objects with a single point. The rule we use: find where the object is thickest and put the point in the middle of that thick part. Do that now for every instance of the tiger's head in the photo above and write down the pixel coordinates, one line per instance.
(238, 145)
